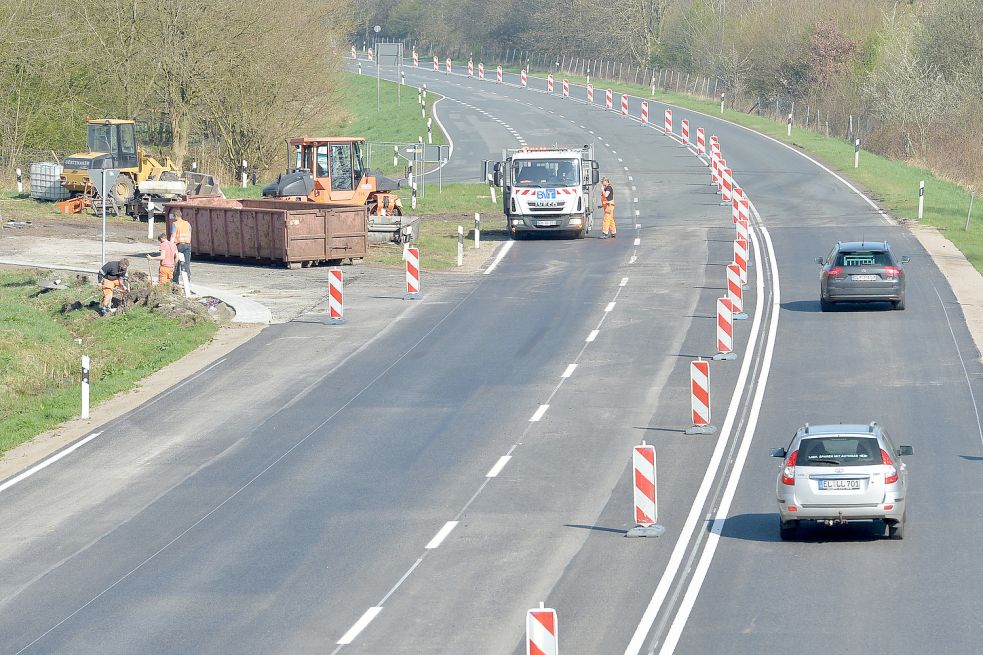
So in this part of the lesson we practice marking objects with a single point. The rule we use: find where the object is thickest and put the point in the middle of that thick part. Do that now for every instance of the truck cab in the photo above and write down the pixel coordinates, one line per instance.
(548, 189)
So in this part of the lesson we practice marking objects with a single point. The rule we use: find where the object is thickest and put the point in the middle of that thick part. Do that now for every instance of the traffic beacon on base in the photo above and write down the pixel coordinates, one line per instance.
(645, 495)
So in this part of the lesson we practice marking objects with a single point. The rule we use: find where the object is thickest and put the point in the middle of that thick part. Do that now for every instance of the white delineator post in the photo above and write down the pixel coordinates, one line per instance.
(645, 494)
(85, 386)
(541, 631)
(412, 274)
(430, 131)
(20, 182)
(336, 296)
(668, 121)
(856, 154)
(477, 231)
(184, 276)
(735, 292)
(491, 189)
(645, 113)
(725, 331)
(921, 200)
(413, 197)
(685, 124)
(244, 165)
(699, 385)
(790, 125)
(460, 245)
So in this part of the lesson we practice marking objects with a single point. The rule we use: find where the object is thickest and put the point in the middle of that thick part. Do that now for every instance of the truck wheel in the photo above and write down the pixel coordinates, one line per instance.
(122, 191)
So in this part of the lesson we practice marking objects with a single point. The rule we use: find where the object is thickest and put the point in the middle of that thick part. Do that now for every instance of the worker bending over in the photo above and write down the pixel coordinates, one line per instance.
(112, 275)
(608, 228)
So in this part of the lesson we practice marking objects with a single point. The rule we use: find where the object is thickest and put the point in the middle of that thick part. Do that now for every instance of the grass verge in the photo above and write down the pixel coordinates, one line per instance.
(40, 351)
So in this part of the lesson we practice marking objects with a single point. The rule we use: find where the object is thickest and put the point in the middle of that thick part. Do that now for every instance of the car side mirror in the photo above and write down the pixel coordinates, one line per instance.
(819, 260)
(497, 179)
(595, 176)
(904, 451)
(777, 452)
(905, 259)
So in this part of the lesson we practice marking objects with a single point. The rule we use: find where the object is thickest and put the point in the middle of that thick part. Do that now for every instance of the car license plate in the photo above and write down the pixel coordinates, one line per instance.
(863, 278)
(547, 223)
(840, 484)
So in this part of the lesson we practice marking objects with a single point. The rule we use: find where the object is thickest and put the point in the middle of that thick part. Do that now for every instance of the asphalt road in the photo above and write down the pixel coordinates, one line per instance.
(311, 494)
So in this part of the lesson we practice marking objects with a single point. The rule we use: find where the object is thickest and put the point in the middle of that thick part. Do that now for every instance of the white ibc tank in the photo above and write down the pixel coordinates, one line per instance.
(45, 181)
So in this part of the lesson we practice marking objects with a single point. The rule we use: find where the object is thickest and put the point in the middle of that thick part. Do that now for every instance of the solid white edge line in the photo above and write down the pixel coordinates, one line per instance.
(569, 371)
(694, 518)
(638, 241)
(720, 518)
(48, 462)
(592, 335)
(610, 306)
(499, 465)
(360, 625)
(441, 535)
(539, 413)
(498, 258)
(624, 281)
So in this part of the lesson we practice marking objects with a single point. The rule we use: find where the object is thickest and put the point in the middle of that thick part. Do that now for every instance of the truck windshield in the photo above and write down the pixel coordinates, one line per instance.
(546, 173)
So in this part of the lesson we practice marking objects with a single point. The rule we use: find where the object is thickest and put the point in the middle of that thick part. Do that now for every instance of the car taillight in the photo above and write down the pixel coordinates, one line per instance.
(836, 271)
(788, 473)
(892, 271)
(892, 473)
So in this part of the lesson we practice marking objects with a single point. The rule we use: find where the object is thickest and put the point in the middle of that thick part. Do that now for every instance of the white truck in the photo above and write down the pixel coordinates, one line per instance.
(548, 189)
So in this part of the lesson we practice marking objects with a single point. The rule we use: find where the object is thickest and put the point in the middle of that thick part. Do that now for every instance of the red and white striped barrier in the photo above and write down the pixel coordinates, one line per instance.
(743, 229)
(412, 274)
(416, 59)
(735, 203)
(336, 296)
(645, 113)
(549, 83)
(590, 94)
(448, 65)
(735, 291)
(699, 386)
(721, 165)
(685, 132)
(744, 211)
(701, 141)
(370, 54)
(714, 167)
(728, 186)
(470, 68)
(646, 498)
(725, 330)
(668, 121)
(741, 257)
(498, 74)
(609, 99)
(566, 88)
(523, 80)
(624, 104)
(541, 631)
(354, 54)
(481, 71)
(436, 64)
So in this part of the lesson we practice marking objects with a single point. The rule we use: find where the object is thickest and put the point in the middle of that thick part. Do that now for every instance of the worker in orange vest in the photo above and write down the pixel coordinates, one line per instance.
(181, 236)
(608, 228)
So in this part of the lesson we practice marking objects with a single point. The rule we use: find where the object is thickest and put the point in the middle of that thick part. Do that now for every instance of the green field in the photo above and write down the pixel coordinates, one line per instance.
(41, 349)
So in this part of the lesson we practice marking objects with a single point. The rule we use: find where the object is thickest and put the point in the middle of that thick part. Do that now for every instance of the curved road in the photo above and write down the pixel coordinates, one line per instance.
(420, 493)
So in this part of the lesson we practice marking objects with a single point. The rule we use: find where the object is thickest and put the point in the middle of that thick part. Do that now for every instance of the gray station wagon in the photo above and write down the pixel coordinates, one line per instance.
(861, 271)
(833, 474)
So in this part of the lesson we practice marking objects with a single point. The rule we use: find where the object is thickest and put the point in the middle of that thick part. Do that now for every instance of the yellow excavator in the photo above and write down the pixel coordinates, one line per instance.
(144, 184)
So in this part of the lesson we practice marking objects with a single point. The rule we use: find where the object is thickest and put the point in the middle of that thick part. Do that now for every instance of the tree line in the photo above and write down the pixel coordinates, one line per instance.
(217, 81)
(906, 75)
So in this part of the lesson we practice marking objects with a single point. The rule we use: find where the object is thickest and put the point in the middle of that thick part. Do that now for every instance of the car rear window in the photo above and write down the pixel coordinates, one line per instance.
(838, 451)
(863, 258)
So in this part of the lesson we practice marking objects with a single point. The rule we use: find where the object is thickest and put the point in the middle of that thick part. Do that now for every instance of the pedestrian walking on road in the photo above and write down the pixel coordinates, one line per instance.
(608, 228)
(181, 237)
(112, 275)
(167, 259)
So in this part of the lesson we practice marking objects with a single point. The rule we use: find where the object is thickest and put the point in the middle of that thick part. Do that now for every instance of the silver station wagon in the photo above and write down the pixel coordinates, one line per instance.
(833, 474)
(861, 271)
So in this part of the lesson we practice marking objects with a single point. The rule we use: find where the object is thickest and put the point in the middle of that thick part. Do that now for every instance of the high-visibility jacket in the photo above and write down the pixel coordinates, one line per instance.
(607, 196)
(181, 231)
